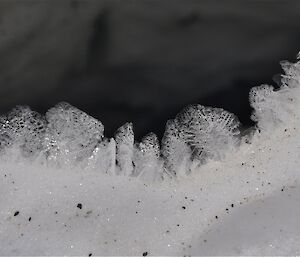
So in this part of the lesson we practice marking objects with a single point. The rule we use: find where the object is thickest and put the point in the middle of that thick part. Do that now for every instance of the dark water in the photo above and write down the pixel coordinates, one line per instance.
(142, 61)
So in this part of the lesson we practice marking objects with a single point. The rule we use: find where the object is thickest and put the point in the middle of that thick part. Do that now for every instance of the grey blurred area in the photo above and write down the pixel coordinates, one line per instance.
(142, 60)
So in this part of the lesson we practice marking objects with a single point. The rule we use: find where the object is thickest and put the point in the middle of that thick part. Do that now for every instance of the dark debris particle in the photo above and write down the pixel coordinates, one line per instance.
(183, 207)
(145, 253)
(216, 217)
(29, 219)
(79, 206)
(232, 205)
(55, 212)
(90, 254)
(16, 213)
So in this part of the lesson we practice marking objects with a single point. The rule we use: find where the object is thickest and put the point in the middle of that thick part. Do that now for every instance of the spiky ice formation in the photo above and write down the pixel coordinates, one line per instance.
(210, 132)
(198, 134)
(71, 134)
(124, 153)
(175, 150)
(147, 158)
(24, 129)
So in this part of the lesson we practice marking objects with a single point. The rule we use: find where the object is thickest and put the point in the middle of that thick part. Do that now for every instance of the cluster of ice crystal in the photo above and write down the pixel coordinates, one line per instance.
(273, 107)
(211, 132)
(147, 158)
(67, 136)
(22, 128)
(71, 134)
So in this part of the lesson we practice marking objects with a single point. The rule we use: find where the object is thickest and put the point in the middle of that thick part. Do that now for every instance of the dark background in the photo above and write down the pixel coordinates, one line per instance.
(143, 60)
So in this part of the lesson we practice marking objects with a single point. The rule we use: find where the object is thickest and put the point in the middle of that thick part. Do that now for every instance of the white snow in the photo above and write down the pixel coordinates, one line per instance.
(125, 216)
(244, 204)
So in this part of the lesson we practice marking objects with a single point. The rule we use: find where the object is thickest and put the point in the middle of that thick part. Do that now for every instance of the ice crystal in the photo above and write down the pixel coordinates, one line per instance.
(210, 132)
(147, 158)
(175, 150)
(124, 153)
(71, 134)
(272, 107)
(22, 128)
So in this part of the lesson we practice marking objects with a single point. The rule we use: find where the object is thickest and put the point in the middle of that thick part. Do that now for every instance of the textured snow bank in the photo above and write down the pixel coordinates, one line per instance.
(125, 216)
(70, 210)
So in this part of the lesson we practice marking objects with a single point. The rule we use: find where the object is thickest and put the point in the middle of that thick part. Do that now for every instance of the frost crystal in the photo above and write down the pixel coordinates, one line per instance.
(264, 102)
(124, 141)
(22, 128)
(146, 158)
(68, 136)
(271, 107)
(174, 150)
(71, 134)
(211, 132)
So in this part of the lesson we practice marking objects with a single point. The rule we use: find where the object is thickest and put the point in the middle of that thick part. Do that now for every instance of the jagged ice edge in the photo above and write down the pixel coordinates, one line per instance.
(68, 137)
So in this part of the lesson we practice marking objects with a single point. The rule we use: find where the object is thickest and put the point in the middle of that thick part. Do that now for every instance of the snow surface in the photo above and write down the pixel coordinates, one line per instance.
(245, 204)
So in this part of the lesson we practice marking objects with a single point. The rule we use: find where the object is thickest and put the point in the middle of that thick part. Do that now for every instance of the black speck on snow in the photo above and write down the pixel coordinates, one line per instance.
(16, 213)
(90, 254)
(145, 253)
(29, 219)
(79, 206)
(183, 207)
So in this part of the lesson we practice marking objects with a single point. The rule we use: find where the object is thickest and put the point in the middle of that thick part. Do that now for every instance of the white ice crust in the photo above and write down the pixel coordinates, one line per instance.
(209, 189)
